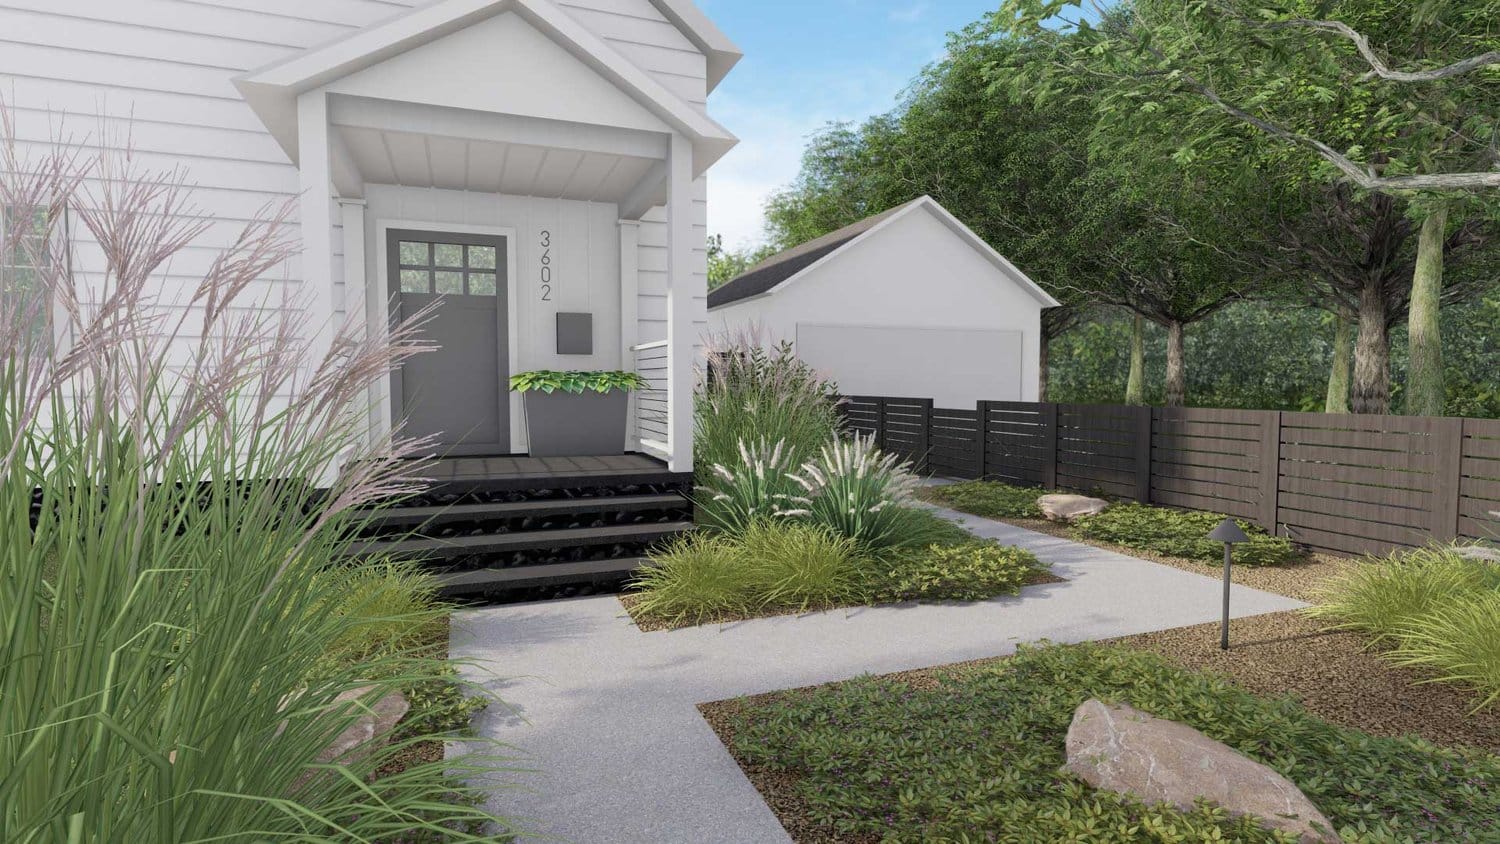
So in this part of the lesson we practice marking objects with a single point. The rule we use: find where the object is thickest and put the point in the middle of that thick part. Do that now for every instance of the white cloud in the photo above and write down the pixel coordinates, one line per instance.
(909, 14)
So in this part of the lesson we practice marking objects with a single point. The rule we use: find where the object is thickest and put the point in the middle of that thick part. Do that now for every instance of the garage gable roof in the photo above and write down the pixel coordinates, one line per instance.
(783, 268)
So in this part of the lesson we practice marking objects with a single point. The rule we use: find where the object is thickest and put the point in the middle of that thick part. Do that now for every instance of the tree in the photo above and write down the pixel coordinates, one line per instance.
(726, 264)
(1313, 83)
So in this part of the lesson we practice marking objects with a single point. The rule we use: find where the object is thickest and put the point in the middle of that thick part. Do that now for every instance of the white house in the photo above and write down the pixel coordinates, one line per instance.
(909, 303)
(533, 161)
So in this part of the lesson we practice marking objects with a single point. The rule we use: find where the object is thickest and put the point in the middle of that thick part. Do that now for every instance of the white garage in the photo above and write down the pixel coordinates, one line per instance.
(908, 302)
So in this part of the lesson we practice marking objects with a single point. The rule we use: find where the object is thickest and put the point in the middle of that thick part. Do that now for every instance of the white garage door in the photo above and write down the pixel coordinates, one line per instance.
(953, 367)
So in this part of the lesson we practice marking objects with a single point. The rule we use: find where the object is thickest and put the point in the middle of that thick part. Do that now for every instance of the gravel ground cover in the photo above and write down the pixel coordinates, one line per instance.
(1300, 580)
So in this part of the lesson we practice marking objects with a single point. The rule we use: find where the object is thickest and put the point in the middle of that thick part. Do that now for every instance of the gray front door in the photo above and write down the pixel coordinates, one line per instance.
(458, 394)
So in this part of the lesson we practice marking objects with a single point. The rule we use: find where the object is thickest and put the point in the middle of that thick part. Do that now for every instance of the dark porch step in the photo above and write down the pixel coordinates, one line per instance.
(454, 584)
(521, 541)
(419, 516)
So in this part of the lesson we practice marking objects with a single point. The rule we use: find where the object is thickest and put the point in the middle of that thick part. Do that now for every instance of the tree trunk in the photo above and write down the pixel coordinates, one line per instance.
(1338, 373)
(1425, 395)
(1176, 366)
(1372, 353)
(1043, 363)
(1135, 387)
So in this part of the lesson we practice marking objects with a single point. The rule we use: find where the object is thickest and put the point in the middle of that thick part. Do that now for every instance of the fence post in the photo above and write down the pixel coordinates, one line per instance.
(1447, 464)
(1143, 415)
(880, 423)
(1270, 471)
(982, 433)
(1049, 444)
(922, 459)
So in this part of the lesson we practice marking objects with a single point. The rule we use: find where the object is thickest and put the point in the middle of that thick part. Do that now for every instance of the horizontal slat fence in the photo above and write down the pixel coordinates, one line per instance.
(1341, 483)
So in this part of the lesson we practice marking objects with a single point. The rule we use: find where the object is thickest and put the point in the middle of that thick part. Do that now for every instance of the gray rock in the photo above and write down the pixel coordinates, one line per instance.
(358, 739)
(1066, 508)
(1120, 749)
(1486, 553)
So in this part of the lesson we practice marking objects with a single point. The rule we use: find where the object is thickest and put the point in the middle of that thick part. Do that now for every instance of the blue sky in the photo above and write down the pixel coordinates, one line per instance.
(807, 63)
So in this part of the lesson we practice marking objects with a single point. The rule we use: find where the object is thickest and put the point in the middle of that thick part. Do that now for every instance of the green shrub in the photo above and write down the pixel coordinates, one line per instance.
(989, 499)
(973, 571)
(797, 566)
(1182, 533)
(760, 395)
(978, 757)
(693, 579)
(392, 605)
(441, 705)
(1460, 642)
(854, 490)
(756, 486)
(1383, 597)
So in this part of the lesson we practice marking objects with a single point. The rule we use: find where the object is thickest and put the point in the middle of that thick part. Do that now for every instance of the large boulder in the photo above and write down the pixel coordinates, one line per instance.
(1120, 749)
(1066, 508)
(359, 738)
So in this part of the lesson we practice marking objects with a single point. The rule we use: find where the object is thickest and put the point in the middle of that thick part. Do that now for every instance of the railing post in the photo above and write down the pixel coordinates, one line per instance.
(1270, 471)
(1143, 454)
(1447, 464)
(982, 434)
(1049, 444)
(921, 459)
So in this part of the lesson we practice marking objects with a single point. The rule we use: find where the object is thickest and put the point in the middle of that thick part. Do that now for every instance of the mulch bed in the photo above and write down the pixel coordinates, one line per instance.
(1336, 675)
(1300, 580)
(631, 601)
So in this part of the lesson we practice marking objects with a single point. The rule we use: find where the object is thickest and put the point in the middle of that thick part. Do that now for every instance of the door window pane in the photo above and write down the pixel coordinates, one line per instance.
(482, 258)
(450, 283)
(481, 284)
(448, 255)
(414, 253)
(415, 281)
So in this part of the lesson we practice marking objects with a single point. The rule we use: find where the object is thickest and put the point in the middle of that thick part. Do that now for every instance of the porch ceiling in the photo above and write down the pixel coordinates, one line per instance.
(412, 159)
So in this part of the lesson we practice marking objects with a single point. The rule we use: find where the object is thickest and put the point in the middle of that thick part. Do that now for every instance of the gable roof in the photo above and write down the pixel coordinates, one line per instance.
(722, 53)
(786, 267)
(272, 91)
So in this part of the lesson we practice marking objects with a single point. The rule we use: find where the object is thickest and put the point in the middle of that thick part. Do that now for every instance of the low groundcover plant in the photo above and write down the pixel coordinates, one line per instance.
(1182, 533)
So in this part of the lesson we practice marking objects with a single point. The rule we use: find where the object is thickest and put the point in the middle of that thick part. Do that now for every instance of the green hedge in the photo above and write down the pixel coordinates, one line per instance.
(978, 758)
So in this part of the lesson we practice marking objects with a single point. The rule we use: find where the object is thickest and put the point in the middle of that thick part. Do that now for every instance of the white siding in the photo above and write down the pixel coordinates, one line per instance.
(652, 290)
(913, 274)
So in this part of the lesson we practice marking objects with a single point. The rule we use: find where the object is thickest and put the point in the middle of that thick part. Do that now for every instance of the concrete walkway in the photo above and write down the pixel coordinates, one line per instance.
(607, 714)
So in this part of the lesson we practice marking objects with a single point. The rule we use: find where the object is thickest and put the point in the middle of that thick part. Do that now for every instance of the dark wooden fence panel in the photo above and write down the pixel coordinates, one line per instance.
(955, 449)
(1359, 484)
(1479, 480)
(1097, 449)
(1205, 459)
(1341, 483)
(1019, 442)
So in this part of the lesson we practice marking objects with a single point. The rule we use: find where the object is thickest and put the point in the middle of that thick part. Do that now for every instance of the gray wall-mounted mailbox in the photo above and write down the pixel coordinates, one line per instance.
(575, 334)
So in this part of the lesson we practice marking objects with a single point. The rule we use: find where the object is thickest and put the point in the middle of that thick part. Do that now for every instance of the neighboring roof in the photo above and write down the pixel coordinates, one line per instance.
(272, 91)
(785, 267)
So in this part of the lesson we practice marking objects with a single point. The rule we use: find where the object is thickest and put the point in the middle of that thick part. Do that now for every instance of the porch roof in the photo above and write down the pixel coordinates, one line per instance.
(273, 91)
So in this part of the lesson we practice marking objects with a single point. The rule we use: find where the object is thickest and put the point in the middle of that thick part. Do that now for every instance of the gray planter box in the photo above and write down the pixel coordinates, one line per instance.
(573, 424)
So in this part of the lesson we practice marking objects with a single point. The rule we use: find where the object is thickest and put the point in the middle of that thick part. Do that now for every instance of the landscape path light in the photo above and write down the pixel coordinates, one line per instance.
(1229, 533)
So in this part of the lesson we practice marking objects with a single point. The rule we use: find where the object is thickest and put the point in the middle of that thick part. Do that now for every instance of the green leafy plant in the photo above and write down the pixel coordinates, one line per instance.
(551, 381)
(990, 499)
(1182, 533)
(442, 705)
(855, 490)
(166, 671)
(972, 571)
(970, 751)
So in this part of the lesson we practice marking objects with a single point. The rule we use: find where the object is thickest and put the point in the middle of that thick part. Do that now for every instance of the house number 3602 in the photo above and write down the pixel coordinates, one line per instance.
(546, 265)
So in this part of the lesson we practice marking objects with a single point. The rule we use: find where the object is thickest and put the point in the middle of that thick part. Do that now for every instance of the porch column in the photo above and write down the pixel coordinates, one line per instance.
(315, 208)
(680, 338)
(630, 327)
(352, 217)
